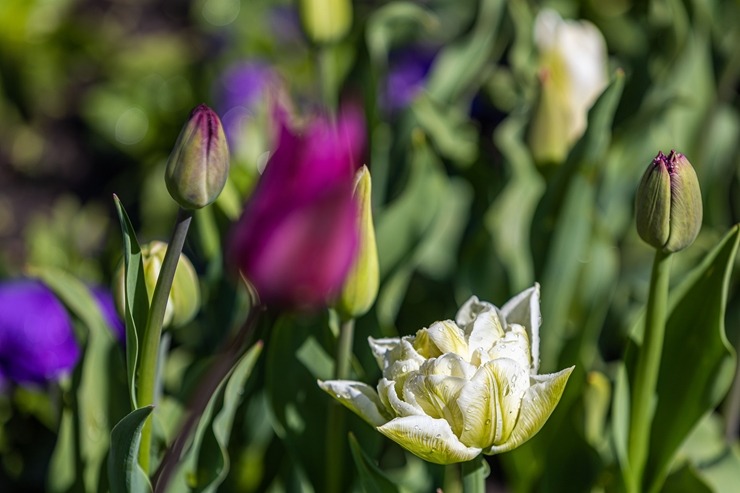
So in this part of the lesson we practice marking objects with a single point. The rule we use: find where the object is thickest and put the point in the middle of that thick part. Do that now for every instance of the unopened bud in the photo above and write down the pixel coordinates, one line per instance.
(199, 164)
(361, 286)
(184, 299)
(668, 203)
(326, 20)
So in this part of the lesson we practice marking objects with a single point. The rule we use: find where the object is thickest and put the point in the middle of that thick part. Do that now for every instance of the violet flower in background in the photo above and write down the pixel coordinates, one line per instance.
(110, 314)
(407, 75)
(37, 342)
(297, 237)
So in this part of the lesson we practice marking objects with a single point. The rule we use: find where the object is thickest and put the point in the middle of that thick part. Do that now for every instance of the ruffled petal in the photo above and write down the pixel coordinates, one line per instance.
(391, 401)
(437, 396)
(537, 404)
(514, 345)
(448, 337)
(431, 439)
(358, 397)
(524, 309)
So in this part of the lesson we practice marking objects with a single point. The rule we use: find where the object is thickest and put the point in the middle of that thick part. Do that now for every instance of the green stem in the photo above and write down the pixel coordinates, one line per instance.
(336, 433)
(474, 475)
(327, 77)
(153, 331)
(646, 374)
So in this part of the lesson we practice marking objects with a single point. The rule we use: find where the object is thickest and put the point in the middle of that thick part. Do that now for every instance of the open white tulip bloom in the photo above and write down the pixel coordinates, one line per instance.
(456, 389)
(573, 73)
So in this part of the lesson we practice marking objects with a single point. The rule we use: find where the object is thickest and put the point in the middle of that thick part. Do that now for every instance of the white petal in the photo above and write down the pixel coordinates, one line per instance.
(490, 403)
(389, 398)
(431, 439)
(485, 330)
(437, 396)
(359, 398)
(449, 338)
(514, 345)
(450, 365)
(524, 309)
(537, 404)
(470, 310)
(380, 347)
(400, 361)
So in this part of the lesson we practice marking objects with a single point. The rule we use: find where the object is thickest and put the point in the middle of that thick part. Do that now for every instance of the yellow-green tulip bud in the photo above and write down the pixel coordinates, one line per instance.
(184, 299)
(199, 164)
(668, 208)
(361, 286)
(326, 20)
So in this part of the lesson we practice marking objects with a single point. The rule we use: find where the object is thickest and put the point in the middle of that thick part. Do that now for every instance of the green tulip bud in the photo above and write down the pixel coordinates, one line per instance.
(326, 20)
(184, 299)
(361, 286)
(668, 203)
(199, 164)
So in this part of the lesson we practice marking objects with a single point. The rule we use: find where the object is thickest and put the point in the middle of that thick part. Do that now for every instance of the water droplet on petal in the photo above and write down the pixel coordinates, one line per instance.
(488, 422)
(417, 428)
(404, 368)
(439, 435)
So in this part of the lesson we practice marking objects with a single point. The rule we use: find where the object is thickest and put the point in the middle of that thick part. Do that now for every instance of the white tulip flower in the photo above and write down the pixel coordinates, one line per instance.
(460, 388)
(573, 73)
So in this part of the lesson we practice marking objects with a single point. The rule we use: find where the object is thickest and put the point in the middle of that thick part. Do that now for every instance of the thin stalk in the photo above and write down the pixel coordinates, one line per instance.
(474, 476)
(646, 374)
(153, 331)
(335, 423)
(221, 367)
(327, 77)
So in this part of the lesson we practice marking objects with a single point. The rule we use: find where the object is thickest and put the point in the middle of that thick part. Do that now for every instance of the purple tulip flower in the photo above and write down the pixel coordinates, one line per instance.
(37, 342)
(240, 91)
(110, 314)
(298, 236)
(407, 75)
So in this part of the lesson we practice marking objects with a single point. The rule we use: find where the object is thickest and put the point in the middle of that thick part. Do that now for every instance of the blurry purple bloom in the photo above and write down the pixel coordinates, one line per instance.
(37, 343)
(241, 89)
(298, 235)
(407, 74)
(285, 24)
(110, 313)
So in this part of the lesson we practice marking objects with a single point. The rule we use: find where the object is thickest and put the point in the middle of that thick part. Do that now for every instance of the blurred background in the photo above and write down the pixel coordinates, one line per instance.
(472, 193)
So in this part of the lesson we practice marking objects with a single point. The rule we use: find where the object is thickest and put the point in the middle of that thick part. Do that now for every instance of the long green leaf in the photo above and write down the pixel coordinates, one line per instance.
(124, 473)
(212, 437)
(698, 362)
(95, 383)
(372, 479)
(136, 300)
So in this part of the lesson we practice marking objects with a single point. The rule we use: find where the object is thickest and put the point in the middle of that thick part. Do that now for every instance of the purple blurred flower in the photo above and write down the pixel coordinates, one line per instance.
(37, 343)
(110, 313)
(407, 74)
(240, 91)
(298, 235)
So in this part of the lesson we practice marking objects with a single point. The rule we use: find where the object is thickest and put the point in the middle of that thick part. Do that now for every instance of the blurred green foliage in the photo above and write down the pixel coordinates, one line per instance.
(94, 92)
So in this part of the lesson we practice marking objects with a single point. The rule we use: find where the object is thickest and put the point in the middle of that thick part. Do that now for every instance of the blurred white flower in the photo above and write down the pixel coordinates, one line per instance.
(573, 73)
(456, 389)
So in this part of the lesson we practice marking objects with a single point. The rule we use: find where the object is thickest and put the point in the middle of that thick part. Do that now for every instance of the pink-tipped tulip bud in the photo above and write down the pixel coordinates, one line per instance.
(199, 164)
(668, 203)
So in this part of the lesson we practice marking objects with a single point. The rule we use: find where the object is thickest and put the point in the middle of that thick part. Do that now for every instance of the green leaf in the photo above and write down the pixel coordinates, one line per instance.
(698, 362)
(124, 473)
(136, 300)
(372, 479)
(214, 430)
(94, 391)
(460, 67)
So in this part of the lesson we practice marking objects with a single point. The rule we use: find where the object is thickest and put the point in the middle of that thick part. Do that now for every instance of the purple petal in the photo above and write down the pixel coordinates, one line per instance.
(37, 343)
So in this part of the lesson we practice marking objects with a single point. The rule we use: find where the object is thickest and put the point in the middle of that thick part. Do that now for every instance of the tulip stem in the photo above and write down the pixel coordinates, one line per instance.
(335, 423)
(646, 373)
(153, 331)
(474, 475)
(327, 77)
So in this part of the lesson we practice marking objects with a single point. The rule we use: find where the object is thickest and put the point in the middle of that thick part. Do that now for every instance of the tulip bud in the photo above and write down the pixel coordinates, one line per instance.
(199, 164)
(184, 299)
(326, 20)
(668, 203)
(361, 286)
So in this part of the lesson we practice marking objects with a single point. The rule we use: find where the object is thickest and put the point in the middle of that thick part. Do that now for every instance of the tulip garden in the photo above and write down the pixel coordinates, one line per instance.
(331, 246)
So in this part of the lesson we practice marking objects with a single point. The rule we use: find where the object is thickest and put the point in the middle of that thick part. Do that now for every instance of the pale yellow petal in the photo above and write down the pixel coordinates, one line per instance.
(358, 397)
(537, 404)
(394, 404)
(524, 309)
(431, 439)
